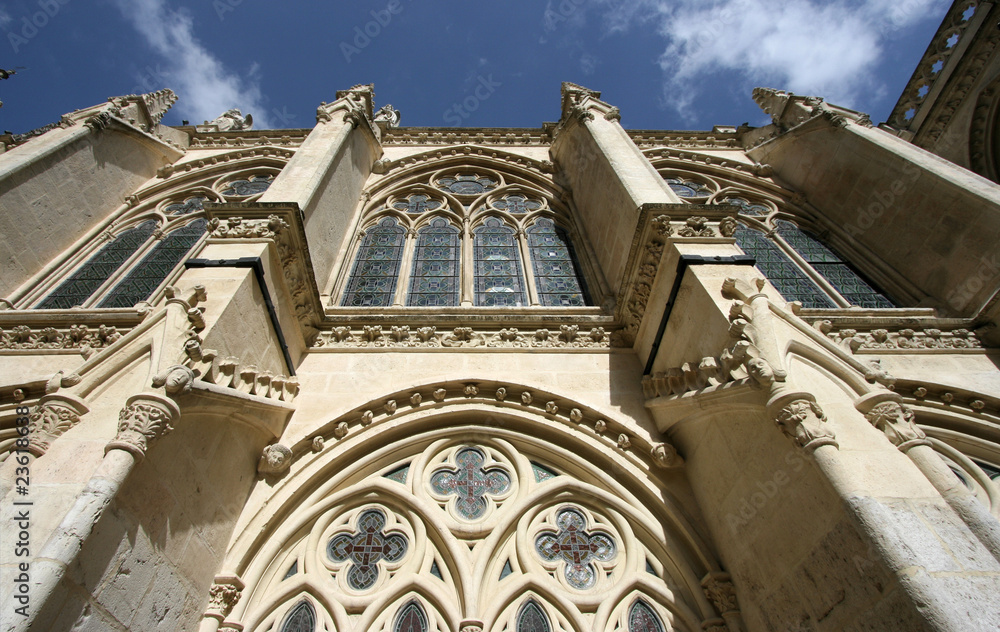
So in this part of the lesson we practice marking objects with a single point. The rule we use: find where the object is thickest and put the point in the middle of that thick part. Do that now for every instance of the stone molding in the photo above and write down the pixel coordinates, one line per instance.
(657, 224)
(229, 373)
(654, 141)
(244, 138)
(281, 224)
(269, 151)
(371, 416)
(947, 397)
(788, 110)
(76, 337)
(145, 418)
(468, 150)
(899, 338)
(463, 337)
(531, 137)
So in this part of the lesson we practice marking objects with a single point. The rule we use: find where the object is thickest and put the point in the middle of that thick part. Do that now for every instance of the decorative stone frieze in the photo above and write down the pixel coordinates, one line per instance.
(469, 153)
(145, 418)
(23, 337)
(487, 136)
(50, 418)
(367, 336)
(238, 228)
(896, 421)
(803, 420)
(656, 140)
(899, 338)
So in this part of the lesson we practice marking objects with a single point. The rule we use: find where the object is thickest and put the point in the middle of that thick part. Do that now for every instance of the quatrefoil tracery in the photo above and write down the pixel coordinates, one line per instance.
(471, 482)
(365, 548)
(575, 547)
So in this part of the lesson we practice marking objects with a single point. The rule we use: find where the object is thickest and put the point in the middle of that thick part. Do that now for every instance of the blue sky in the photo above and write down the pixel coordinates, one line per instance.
(679, 64)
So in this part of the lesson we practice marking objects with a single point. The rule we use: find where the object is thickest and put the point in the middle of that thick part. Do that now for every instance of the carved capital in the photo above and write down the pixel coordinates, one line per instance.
(895, 420)
(53, 416)
(720, 591)
(804, 421)
(223, 596)
(145, 418)
(471, 625)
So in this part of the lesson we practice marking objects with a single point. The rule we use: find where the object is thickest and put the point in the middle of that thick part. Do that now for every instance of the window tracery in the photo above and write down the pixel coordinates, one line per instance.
(532, 618)
(246, 187)
(465, 237)
(363, 549)
(576, 549)
(411, 619)
(302, 618)
(799, 265)
(470, 481)
(642, 618)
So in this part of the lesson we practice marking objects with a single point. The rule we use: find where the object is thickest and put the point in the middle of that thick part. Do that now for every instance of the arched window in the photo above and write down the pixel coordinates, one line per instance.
(435, 276)
(411, 619)
(99, 268)
(301, 619)
(376, 268)
(532, 618)
(788, 278)
(642, 618)
(498, 265)
(148, 274)
(555, 272)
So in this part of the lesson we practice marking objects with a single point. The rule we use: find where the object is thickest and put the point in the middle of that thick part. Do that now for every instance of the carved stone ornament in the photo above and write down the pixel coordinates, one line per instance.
(471, 625)
(145, 418)
(665, 455)
(53, 416)
(388, 114)
(176, 380)
(276, 459)
(239, 228)
(318, 443)
(804, 421)
(221, 599)
(233, 120)
(720, 591)
(895, 420)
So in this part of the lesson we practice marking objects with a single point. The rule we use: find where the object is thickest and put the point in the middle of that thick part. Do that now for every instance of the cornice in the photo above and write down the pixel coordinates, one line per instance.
(495, 136)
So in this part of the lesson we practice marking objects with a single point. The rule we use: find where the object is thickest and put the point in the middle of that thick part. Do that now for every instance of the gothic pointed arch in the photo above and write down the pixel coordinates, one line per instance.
(483, 467)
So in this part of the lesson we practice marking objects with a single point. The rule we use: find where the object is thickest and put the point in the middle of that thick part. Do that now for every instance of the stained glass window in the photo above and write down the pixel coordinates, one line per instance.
(365, 548)
(399, 474)
(506, 570)
(532, 618)
(687, 188)
(787, 277)
(498, 265)
(641, 618)
(301, 619)
(517, 204)
(467, 184)
(376, 268)
(576, 547)
(411, 619)
(471, 482)
(292, 570)
(417, 204)
(436, 264)
(189, 205)
(251, 186)
(91, 275)
(148, 274)
(754, 209)
(541, 472)
(552, 261)
(841, 276)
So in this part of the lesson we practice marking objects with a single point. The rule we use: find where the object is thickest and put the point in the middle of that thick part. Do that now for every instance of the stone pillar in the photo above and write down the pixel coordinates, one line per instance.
(326, 176)
(887, 413)
(610, 178)
(145, 418)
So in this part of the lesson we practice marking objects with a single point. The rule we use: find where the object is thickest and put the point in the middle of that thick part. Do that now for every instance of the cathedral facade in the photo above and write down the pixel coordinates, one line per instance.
(369, 377)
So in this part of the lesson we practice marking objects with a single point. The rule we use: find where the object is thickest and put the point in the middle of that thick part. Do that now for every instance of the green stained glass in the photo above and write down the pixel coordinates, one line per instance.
(292, 570)
(506, 570)
(498, 279)
(556, 277)
(376, 268)
(436, 264)
(399, 474)
(435, 571)
(148, 274)
(841, 276)
(532, 618)
(541, 472)
(787, 277)
(91, 275)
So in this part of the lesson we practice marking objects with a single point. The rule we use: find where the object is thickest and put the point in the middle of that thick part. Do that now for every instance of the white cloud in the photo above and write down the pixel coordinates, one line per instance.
(205, 86)
(818, 47)
(5, 18)
(588, 63)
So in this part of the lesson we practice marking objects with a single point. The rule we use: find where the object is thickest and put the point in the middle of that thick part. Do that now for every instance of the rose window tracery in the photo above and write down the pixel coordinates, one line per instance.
(471, 482)
(365, 548)
(575, 547)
